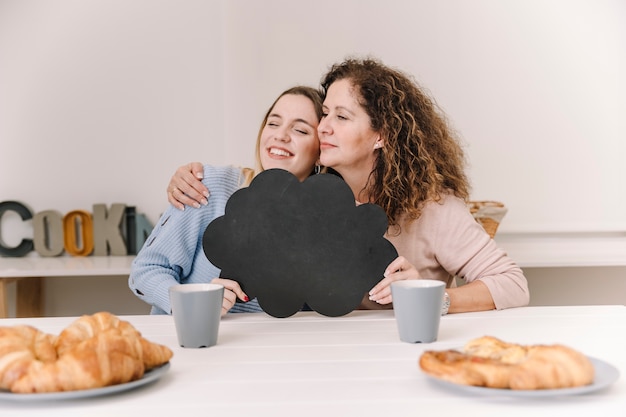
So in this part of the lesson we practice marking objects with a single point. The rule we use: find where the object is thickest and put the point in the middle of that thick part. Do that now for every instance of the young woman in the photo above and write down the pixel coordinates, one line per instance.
(385, 136)
(173, 252)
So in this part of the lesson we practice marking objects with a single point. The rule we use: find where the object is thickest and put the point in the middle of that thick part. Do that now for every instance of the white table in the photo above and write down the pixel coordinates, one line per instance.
(310, 365)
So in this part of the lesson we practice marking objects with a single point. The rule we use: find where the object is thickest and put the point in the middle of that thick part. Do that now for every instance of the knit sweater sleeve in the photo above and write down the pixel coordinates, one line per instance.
(173, 253)
(464, 249)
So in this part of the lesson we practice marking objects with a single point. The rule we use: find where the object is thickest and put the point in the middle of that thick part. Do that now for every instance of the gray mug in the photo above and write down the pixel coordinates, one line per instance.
(417, 308)
(197, 310)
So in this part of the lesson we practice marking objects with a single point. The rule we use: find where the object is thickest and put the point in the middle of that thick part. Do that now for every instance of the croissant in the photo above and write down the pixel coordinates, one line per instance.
(490, 362)
(20, 346)
(550, 367)
(87, 327)
(93, 352)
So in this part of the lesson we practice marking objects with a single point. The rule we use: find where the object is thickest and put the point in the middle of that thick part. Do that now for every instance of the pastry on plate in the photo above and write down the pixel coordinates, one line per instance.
(493, 363)
(93, 352)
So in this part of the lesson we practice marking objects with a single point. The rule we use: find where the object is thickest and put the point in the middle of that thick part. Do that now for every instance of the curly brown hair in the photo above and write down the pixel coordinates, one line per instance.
(421, 158)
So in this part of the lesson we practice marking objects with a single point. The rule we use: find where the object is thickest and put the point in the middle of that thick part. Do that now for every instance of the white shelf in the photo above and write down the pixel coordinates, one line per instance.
(536, 250)
(36, 266)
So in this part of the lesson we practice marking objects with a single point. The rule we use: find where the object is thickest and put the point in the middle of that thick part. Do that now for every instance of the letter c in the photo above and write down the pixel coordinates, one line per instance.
(26, 245)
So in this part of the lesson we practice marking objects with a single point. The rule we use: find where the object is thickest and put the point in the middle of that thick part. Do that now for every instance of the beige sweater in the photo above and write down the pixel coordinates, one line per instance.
(446, 241)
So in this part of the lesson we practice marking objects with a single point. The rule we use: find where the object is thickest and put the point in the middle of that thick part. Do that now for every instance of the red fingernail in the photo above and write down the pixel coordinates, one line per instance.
(246, 299)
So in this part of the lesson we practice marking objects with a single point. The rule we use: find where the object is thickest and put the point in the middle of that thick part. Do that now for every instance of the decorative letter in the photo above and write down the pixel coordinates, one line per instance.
(73, 223)
(144, 228)
(131, 231)
(107, 229)
(48, 233)
(26, 245)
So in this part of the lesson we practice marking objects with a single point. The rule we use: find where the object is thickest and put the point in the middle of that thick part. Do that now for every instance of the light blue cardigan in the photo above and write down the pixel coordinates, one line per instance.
(173, 252)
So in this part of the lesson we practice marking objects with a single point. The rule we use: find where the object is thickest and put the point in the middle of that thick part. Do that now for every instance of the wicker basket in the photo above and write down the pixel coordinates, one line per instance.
(489, 214)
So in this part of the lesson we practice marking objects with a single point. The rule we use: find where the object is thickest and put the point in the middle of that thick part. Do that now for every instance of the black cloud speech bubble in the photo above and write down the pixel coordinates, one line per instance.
(288, 243)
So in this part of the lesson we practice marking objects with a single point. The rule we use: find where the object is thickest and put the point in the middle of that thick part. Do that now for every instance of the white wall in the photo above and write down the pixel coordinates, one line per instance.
(100, 100)
(536, 88)
(577, 285)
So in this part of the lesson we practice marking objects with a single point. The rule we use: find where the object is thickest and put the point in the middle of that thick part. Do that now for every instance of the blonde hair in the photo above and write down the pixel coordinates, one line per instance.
(311, 93)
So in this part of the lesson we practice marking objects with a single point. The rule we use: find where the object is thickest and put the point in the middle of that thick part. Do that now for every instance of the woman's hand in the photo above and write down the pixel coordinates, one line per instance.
(232, 291)
(400, 269)
(186, 188)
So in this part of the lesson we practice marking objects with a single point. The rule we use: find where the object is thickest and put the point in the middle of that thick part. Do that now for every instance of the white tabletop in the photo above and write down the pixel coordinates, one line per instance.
(310, 365)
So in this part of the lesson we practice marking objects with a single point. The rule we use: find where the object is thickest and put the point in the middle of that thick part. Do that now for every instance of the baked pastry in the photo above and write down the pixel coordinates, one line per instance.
(93, 352)
(490, 362)
(20, 346)
(107, 358)
(87, 327)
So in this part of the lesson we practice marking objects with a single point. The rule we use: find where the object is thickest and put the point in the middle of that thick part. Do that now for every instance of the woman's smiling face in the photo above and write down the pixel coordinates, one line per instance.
(289, 138)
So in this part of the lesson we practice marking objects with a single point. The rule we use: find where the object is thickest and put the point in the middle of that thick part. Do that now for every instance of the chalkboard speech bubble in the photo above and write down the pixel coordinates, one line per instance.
(288, 243)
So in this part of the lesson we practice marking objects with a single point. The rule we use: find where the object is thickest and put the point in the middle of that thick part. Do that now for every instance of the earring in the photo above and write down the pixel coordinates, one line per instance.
(377, 145)
(318, 169)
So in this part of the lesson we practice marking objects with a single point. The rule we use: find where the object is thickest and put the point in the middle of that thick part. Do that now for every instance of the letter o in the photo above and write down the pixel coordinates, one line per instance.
(78, 233)
(48, 233)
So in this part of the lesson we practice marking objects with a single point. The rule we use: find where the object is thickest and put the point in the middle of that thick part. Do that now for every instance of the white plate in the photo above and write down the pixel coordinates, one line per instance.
(147, 378)
(605, 375)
